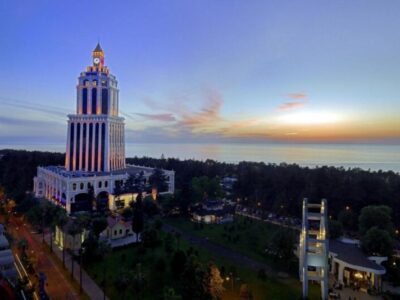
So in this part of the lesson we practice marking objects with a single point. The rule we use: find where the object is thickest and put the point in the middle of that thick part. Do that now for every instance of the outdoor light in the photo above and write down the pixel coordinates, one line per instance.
(358, 275)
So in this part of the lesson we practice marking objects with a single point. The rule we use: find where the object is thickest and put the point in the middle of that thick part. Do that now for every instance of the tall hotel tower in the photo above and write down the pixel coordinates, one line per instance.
(96, 132)
(95, 153)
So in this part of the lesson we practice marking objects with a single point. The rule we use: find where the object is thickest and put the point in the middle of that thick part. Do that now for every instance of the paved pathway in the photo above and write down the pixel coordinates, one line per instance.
(88, 284)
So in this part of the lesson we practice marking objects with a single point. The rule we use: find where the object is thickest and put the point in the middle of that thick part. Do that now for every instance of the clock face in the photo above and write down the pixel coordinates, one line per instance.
(96, 60)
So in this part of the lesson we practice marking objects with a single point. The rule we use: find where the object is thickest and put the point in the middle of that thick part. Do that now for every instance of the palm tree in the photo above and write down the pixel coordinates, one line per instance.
(61, 223)
(75, 228)
(59, 218)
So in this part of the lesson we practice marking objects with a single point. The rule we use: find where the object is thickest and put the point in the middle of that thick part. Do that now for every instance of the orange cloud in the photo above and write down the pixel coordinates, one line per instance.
(207, 117)
(291, 105)
(297, 96)
(158, 117)
(300, 101)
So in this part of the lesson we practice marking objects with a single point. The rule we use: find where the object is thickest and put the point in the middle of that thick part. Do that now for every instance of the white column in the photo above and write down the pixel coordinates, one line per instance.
(67, 153)
(80, 146)
(99, 149)
(122, 146)
(340, 274)
(74, 150)
(87, 147)
(107, 147)
(93, 144)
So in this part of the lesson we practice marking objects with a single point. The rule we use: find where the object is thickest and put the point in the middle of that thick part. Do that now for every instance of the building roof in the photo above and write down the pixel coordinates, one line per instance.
(112, 221)
(130, 169)
(98, 48)
(352, 254)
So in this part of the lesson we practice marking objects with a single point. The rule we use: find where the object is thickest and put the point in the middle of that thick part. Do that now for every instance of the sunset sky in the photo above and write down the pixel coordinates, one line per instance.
(207, 71)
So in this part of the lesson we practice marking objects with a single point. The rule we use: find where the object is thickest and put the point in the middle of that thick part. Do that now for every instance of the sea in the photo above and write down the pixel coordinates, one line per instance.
(372, 157)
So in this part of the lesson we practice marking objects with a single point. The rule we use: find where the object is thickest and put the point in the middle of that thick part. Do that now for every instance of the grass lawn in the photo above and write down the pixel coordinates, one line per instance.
(244, 235)
(128, 258)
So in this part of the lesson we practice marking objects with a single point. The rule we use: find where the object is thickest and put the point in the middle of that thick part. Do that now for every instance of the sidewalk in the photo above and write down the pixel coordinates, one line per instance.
(88, 285)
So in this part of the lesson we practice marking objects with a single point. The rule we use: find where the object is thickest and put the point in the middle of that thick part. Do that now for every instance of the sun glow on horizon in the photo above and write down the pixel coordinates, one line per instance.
(305, 118)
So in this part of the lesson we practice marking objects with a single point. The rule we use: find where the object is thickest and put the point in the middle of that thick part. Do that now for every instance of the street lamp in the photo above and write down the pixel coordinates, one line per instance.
(231, 278)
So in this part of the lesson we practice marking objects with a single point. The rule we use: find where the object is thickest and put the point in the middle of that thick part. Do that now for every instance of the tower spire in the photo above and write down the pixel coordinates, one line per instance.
(98, 56)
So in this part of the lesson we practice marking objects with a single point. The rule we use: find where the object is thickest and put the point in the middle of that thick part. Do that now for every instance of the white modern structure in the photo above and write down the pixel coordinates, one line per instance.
(314, 247)
(349, 266)
(95, 154)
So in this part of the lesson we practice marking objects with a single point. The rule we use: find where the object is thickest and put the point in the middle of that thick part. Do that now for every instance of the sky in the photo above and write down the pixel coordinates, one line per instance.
(207, 71)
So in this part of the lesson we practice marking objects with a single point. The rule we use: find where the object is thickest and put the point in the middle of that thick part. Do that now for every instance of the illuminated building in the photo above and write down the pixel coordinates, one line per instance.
(314, 247)
(95, 152)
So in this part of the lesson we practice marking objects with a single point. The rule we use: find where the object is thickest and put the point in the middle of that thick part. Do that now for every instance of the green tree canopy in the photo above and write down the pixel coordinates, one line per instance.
(377, 242)
(335, 229)
(204, 187)
(158, 180)
(375, 216)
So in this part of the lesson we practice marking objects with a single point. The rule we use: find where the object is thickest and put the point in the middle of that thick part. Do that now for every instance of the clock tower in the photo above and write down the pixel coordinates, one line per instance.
(98, 56)
(96, 141)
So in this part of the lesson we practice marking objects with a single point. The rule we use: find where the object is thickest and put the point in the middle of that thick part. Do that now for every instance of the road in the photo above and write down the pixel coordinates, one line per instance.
(58, 285)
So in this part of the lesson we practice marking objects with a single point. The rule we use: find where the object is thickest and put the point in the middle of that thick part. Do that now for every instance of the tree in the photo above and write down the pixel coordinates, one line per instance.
(118, 190)
(169, 243)
(178, 262)
(195, 282)
(281, 244)
(375, 216)
(137, 220)
(348, 219)
(204, 187)
(60, 217)
(377, 242)
(122, 281)
(150, 238)
(335, 229)
(170, 294)
(99, 225)
(215, 282)
(158, 180)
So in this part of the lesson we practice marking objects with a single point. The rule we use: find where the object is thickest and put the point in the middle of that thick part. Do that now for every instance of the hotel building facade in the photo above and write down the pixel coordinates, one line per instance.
(95, 152)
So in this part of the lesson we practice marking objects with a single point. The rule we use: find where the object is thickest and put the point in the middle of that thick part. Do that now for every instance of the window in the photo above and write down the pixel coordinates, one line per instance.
(81, 185)
(115, 232)
(74, 186)
(94, 100)
(84, 101)
(100, 184)
(104, 101)
(120, 231)
(105, 183)
(94, 82)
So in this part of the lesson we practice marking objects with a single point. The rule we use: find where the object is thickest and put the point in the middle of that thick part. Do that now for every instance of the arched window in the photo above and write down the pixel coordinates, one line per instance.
(105, 183)
(74, 186)
(94, 82)
(82, 185)
(100, 184)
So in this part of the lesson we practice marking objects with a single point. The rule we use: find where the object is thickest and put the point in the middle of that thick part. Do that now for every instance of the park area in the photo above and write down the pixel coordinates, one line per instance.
(155, 270)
